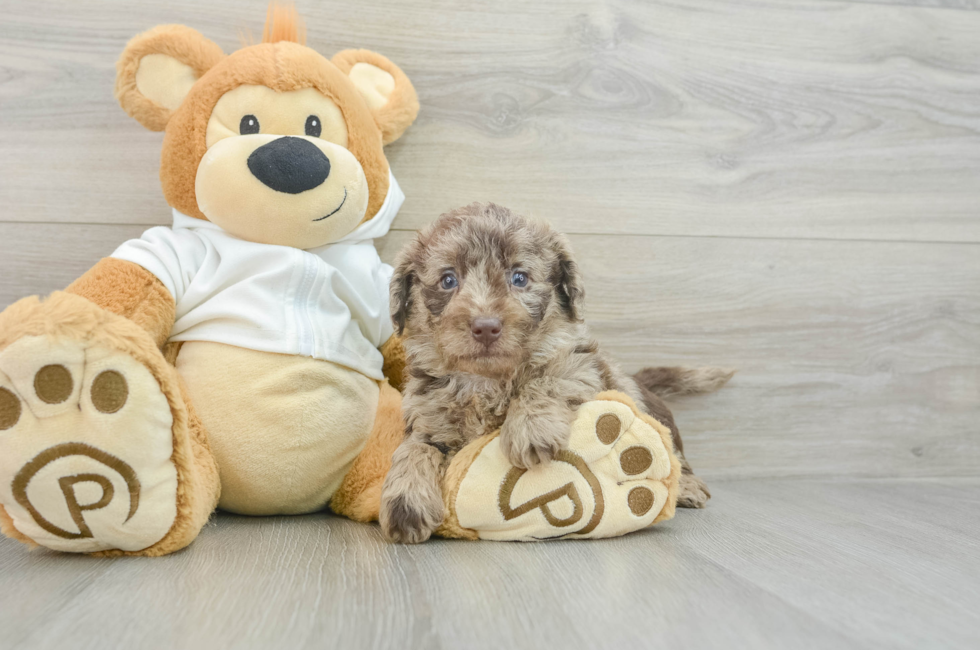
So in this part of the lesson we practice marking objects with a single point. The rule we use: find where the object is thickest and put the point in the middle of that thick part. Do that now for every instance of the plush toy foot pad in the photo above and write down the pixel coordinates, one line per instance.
(617, 475)
(85, 447)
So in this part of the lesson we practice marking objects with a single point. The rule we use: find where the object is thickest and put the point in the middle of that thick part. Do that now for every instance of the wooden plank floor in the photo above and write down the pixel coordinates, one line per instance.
(771, 564)
(789, 187)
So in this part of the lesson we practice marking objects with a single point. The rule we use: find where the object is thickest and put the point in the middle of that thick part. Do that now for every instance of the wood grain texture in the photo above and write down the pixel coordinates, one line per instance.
(789, 187)
(855, 358)
(765, 118)
(967, 5)
(770, 564)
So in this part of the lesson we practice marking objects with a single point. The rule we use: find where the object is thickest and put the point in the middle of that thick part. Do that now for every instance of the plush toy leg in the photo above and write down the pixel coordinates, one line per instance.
(619, 474)
(359, 496)
(100, 451)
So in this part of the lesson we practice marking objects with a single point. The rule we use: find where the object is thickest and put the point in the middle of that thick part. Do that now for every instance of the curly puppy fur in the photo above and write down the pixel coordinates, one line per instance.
(489, 304)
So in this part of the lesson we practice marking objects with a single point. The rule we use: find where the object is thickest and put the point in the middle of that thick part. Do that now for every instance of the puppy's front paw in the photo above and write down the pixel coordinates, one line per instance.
(532, 441)
(410, 519)
(693, 492)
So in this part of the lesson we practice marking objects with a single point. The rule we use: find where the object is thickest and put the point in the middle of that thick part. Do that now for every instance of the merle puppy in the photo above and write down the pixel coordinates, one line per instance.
(490, 306)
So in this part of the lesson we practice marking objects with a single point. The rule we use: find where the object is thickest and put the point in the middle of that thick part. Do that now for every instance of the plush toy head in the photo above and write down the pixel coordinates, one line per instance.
(274, 143)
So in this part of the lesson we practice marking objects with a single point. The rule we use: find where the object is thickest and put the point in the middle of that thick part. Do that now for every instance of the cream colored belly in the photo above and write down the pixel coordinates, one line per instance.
(284, 429)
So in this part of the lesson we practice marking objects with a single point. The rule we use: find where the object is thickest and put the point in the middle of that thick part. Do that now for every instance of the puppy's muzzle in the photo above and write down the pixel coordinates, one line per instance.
(289, 165)
(486, 330)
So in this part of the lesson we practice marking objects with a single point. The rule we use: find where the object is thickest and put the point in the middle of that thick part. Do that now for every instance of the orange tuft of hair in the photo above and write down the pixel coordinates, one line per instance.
(282, 23)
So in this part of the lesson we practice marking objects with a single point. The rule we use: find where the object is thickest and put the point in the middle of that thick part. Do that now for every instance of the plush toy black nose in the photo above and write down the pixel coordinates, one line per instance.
(290, 165)
(486, 330)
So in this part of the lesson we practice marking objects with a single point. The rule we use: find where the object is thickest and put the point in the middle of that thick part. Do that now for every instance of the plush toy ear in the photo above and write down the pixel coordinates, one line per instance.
(388, 92)
(158, 68)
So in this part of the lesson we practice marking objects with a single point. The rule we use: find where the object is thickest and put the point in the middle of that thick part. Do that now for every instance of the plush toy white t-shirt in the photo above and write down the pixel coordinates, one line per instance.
(328, 303)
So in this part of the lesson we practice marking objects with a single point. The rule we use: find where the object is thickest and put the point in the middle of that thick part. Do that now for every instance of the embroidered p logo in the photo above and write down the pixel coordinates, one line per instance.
(68, 487)
(544, 501)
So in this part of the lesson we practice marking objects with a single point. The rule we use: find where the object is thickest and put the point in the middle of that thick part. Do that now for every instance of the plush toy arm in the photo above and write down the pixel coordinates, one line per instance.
(393, 352)
(127, 289)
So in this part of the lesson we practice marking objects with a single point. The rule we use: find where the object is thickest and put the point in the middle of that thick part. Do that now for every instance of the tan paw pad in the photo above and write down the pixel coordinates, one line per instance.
(85, 447)
(9, 409)
(612, 479)
(45, 373)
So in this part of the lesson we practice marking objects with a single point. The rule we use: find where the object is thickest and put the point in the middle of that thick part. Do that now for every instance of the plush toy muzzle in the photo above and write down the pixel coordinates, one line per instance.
(282, 189)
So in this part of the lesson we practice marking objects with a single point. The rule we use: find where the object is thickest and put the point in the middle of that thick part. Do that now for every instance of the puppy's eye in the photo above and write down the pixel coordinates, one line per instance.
(448, 282)
(313, 126)
(519, 279)
(249, 125)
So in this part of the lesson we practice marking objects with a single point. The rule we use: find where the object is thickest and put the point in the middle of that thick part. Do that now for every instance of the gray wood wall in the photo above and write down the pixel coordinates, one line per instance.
(788, 187)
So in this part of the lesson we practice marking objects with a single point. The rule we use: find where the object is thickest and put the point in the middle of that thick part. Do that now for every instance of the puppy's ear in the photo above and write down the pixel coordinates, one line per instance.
(401, 288)
(565, 277)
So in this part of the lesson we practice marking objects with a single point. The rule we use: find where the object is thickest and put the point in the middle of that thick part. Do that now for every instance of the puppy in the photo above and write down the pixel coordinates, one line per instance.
(490, 305)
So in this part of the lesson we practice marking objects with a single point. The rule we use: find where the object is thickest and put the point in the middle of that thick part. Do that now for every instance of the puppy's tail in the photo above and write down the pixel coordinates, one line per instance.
(668, 382)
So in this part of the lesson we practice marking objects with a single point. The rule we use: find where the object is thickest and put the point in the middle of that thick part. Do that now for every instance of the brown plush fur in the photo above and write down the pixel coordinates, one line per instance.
(182, 43)
(72, 317)
(359, 495)
(528, 382)
(129, 290)
(393, 351)
(403, 105)
(7, 528)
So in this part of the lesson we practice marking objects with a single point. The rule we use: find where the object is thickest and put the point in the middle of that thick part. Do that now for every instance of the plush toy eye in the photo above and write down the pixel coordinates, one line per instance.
(313, 126)
(519, 279)
(249, 125)
(448, 282)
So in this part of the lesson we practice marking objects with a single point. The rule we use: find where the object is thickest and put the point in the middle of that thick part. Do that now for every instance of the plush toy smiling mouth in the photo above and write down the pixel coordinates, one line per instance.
(336, 210)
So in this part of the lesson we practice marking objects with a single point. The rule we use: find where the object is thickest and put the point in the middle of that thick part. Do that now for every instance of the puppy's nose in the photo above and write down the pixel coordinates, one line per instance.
(486, 330)
(290, 165)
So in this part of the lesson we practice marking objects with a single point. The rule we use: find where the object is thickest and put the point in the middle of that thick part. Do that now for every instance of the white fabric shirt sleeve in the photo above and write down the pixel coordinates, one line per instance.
(173, 256)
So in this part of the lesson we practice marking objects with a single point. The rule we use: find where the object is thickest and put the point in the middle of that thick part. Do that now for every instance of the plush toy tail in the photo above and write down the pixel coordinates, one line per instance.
(671, 381)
